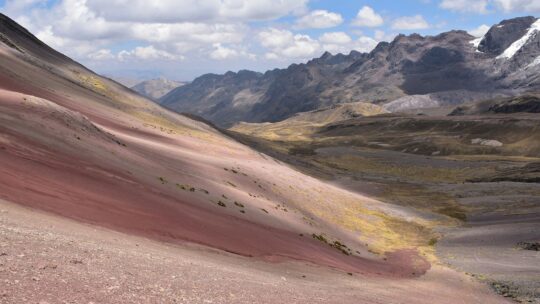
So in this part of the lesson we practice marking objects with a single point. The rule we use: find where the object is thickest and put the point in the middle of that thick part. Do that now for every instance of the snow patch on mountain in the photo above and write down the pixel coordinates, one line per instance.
(534, 63)
(518, 44)
(476, 43)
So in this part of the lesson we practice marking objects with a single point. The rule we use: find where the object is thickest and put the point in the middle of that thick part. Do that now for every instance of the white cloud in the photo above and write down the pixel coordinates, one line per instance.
(271, 56)
(75, 20)
(410, 23)
(76, 48)
(528, 6)
(335, 38)
(469, 6)
(101, 54)
(480, 31)
(340, 42)
(46, 35)
(220, 52)
(368, 17)
(173, 11)
(319, 19)
(189, 36)
(301, 47)
(336, 42)
(73, 27)
(275, 38)
(365, 44)
(485, 6)
(148, 53)
(284, 44)
(383, 36)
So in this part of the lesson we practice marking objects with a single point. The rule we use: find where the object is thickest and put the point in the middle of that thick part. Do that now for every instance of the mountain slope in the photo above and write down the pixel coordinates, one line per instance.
(156, 88)
(529, 103)
(82, 146)
(240, 224)
(431, 71)
(481, 168)
(302, 124)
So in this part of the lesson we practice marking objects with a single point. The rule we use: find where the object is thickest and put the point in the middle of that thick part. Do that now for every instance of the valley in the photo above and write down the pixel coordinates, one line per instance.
(479, 214)
(408, 174)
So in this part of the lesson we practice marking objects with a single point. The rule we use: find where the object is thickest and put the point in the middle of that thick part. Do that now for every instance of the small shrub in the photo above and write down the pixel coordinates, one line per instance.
(222, 204)
(320, 237)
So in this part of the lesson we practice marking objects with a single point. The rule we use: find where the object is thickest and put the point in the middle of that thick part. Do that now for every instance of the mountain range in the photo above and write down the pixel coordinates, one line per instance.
(410, 72)
(156, 88)
(108, 197)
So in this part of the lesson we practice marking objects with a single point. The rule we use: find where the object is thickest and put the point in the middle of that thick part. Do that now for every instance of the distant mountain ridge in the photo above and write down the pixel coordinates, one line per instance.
(431, 71)
(156, 88)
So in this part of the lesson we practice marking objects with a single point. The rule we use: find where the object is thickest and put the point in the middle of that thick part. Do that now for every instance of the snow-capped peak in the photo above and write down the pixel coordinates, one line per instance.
(518, 44)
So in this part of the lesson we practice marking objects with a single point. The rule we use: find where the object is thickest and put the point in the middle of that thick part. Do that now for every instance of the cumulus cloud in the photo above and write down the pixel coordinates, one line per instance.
(285, 44)
(336, 42)
(470, 6)
(275, 38)
(75, 20)
(409, 23)
(368, 17)
(148, 53)
(335, 38)
(480, 31)
(173, 11)
(185, 37)
(383, 36)
(485, 6)
(528, 6)
(365, 44)
(221, 52)
(102, 54)
(319, 19)
(76, 28)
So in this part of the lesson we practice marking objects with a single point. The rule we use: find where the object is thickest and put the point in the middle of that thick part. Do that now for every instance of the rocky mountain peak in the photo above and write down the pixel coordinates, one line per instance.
(441, 69)
(502, 35)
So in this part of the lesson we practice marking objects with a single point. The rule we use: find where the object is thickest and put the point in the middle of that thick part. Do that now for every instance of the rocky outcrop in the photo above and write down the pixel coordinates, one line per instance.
(521, 104)
(501, 36)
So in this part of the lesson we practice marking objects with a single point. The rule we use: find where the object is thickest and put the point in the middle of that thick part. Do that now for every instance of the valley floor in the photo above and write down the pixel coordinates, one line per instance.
(49, 259)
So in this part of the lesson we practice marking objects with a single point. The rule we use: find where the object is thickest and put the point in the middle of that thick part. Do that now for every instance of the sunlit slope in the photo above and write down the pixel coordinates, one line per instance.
(82, 146)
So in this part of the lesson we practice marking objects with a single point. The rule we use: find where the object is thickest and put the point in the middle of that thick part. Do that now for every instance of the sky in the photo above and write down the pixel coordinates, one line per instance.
(183, 39)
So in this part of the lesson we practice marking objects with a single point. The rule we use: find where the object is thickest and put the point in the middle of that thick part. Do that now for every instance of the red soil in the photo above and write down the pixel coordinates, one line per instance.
(64, 185)
(50, 176)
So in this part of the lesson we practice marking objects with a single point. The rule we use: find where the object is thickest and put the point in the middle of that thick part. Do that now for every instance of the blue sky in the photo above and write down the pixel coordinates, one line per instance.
(182, 39)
